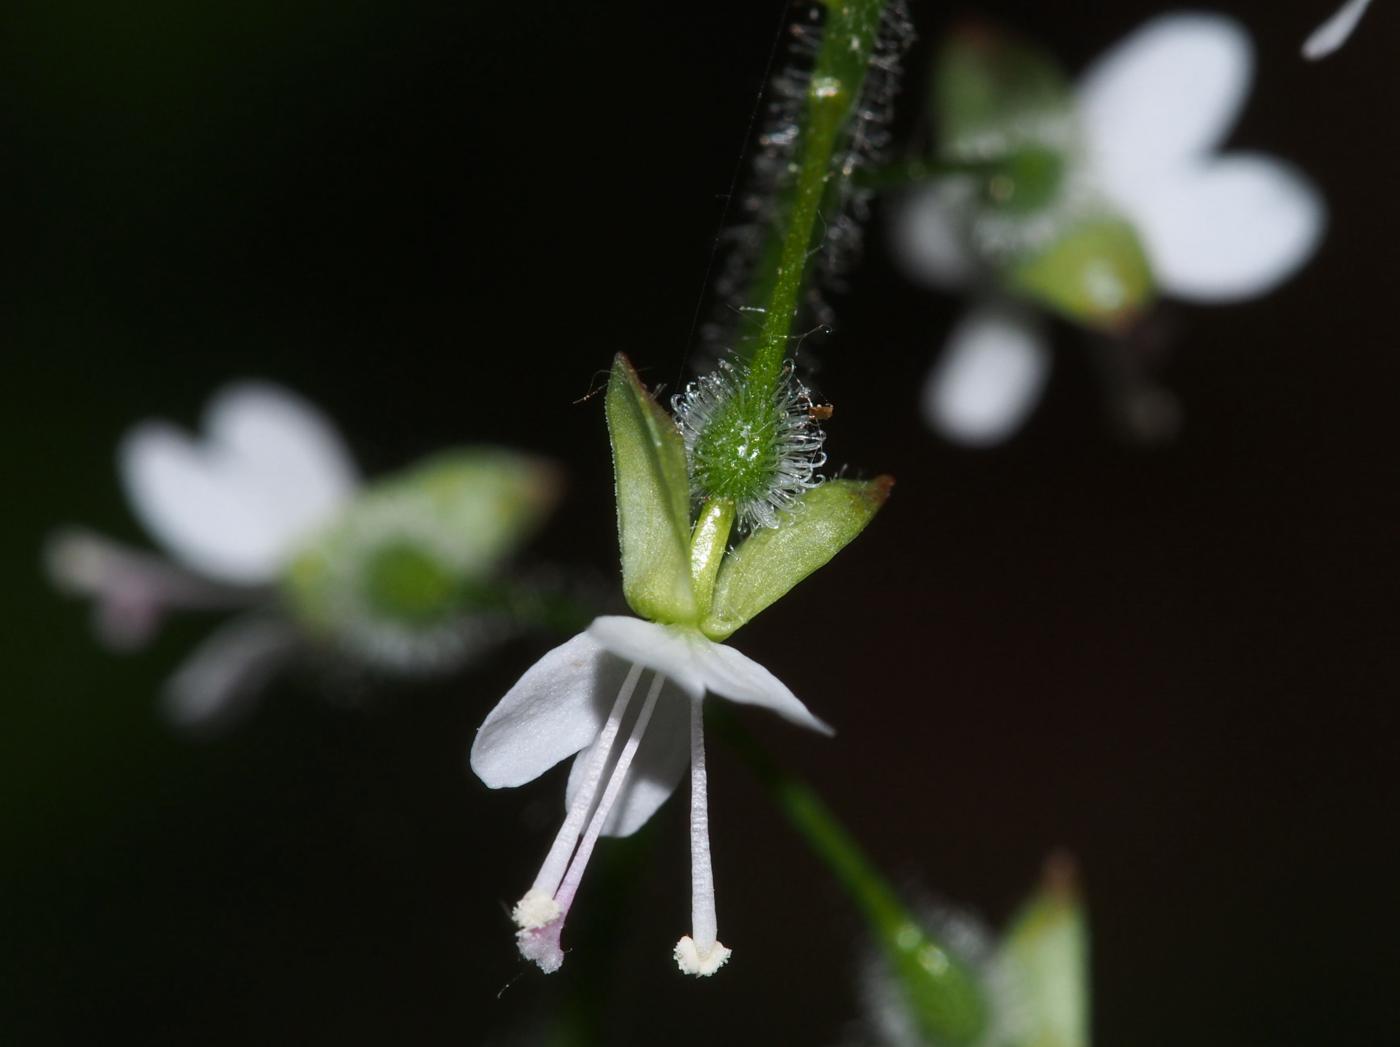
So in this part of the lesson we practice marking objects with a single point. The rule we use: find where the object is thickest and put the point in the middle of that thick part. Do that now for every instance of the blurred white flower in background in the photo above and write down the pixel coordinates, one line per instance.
(1334, 32)
(265, 514)
(230, 508)
(1149, 117)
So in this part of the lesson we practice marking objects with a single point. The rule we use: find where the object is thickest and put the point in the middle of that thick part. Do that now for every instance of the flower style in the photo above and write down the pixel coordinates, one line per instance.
(581, 697)
(1333, 33)
(1137, 141)
(267, 515)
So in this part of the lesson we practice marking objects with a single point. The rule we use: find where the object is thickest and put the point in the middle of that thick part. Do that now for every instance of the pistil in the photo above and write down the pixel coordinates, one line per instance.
(700, 952)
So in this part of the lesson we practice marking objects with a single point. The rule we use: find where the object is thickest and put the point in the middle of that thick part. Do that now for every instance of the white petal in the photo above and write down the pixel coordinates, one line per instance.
(670, 651)
(697, 665)
(661, 760)
(1333, 33)
(928, 238)
(1169, 91)
(226, 674)
(204, 517)
(553, 711)
(295, 459)
(1231, 229)
(989, 377)
(739, 678)
(234, 505)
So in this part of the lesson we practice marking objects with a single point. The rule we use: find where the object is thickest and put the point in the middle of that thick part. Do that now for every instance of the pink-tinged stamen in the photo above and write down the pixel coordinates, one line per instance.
(557, 861)
(539, 940)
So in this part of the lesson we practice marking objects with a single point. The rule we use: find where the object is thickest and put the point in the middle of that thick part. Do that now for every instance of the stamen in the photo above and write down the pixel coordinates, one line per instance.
(540, 942)
(538, 907)
(700, 952)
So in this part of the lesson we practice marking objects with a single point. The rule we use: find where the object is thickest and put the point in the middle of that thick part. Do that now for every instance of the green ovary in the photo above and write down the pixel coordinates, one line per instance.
(736, 456)
(1026, 181)
(406, 583)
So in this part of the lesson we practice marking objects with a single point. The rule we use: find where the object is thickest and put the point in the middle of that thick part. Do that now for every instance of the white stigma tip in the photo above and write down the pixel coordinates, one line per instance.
(690, 960)
(535, 910)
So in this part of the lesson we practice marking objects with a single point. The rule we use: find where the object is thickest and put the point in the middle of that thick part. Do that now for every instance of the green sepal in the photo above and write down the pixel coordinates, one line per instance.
(419, 546)
(774, 559)
(1045, 956)
(993, 89)
(653, 500)
(1095, 274)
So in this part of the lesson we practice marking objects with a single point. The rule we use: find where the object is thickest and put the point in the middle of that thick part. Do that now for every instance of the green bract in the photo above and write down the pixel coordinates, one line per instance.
(653, 500)
(682, 575)
(1096, 273)
(1005, 118)
(1046, 958)
(772, 560)
(992, 90)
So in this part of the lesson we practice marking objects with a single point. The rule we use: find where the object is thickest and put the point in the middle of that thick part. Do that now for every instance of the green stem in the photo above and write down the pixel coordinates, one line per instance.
(942, 993)
(848, 38)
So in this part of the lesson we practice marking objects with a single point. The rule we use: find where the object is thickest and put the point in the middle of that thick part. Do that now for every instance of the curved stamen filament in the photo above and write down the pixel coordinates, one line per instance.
(565, 895)
(557, 861)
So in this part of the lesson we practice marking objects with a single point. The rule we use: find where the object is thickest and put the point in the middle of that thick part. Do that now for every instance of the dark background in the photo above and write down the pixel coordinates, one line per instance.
(439, 221)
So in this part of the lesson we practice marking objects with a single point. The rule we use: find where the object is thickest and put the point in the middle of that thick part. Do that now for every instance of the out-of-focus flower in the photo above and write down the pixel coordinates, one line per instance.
(1033, 979)
(265, 513)
(694, 591)
(1090, 202)
(1333, 33)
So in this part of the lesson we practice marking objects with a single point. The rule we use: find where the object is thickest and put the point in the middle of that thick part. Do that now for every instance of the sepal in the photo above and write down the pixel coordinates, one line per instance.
(1045, 958)
(774, 559)
(1096, 273)
(653, 500)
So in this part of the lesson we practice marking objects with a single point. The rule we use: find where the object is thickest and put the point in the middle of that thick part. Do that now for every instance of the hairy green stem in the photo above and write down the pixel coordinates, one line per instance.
(848, 38)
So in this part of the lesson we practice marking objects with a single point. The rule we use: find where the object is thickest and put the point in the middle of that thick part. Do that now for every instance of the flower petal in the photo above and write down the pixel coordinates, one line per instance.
(928, 236)
(233, 506)
(661, 760)
(553, 711)
(669, 651)
(220, 682)
(1333, 33)
(1169, 91)
(1231, 229)
(194, 509)
(295, 459)
(696, 665)
(989, 377)
(739, 678)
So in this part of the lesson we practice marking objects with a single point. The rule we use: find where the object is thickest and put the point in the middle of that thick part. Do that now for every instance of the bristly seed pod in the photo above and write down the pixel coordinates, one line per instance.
(759, 451)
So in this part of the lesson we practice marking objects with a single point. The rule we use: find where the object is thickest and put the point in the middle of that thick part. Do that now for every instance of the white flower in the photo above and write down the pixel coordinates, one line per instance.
(565, 704)
(232, 508)
(1152, 113)
(235, 505)
(1333, 33)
